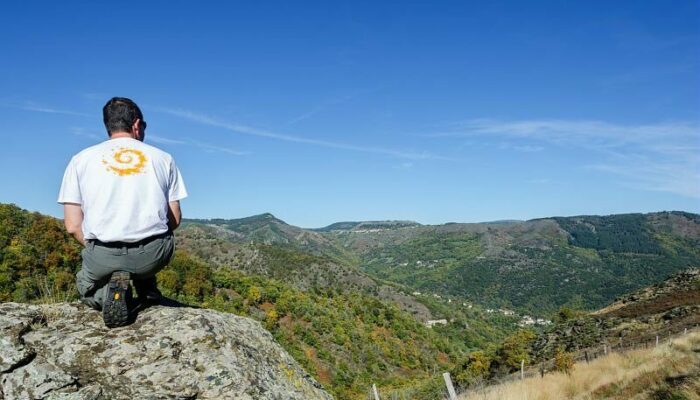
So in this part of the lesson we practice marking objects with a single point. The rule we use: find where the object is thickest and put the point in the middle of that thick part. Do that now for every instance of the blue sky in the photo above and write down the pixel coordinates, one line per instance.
(327, 111)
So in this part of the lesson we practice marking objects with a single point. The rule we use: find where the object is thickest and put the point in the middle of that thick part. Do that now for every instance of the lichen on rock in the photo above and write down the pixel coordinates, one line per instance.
(168, 353)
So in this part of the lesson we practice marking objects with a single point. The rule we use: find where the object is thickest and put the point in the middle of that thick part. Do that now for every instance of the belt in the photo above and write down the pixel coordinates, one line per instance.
(121, 245)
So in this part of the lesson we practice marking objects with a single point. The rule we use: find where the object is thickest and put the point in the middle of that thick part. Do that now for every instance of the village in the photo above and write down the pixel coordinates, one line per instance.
(523, 322)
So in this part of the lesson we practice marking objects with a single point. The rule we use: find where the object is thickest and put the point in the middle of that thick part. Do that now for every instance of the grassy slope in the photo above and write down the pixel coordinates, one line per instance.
(667, 372)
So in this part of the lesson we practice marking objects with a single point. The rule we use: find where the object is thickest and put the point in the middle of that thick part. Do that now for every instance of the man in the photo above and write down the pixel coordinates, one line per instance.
(121, 200)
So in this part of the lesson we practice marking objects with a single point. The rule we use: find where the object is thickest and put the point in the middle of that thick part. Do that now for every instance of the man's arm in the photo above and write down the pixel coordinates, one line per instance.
(174, 215)
(73, 219)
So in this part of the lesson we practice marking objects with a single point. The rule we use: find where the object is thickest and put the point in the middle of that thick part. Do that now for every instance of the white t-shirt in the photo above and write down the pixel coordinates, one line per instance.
(123, 186)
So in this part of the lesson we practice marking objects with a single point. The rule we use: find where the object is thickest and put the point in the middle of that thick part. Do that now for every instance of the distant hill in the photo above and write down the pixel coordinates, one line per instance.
(504, 221)
(366, 226)
(287, 261)
(267, 229)
(534, 266)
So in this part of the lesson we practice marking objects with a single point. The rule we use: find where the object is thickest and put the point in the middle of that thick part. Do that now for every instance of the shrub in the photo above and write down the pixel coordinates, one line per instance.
(563, 361)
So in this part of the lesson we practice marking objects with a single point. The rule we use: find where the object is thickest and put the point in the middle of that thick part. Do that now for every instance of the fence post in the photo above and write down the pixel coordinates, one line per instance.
(586, 354)
(522, 369)
(657, 341)
(542, 369)
(685, 331)
(375, 392)
(450, 388)
(605, 349)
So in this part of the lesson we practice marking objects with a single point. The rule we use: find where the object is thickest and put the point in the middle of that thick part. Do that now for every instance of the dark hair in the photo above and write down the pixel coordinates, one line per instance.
(119, 114)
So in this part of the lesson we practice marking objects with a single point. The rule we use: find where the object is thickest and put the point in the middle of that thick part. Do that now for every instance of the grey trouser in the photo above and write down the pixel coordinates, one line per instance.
(142, 261)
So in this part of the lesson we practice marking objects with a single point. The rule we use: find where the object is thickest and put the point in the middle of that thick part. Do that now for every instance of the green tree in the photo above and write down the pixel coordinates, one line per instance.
(515, 349)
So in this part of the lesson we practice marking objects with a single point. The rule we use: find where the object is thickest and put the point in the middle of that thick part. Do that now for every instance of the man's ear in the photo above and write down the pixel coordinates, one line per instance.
(135, 129)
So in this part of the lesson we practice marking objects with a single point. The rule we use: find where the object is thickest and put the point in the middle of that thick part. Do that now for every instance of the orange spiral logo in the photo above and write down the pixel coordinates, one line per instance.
(125, 162)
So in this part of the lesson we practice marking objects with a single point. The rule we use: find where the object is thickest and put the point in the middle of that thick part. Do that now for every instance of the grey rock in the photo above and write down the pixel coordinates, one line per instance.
(92, 392)
(13, 352)
(36, 380)
(64, 351)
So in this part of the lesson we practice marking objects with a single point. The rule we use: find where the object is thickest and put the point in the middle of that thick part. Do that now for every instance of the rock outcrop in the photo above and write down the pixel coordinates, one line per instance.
(64, 351)
(667, 308)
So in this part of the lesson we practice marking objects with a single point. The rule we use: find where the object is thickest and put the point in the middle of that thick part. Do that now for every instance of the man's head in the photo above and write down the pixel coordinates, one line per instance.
(122, 115)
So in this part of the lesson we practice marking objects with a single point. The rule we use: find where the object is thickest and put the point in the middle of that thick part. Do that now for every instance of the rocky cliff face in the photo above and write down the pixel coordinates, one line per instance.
(64, 351)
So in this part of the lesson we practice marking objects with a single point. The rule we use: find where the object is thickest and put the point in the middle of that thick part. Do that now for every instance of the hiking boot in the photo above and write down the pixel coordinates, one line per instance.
(147, 290)
(115, 310)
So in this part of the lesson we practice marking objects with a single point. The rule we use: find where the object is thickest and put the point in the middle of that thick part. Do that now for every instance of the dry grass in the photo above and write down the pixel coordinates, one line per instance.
(49, 293)
(667, 372)
(50, 297)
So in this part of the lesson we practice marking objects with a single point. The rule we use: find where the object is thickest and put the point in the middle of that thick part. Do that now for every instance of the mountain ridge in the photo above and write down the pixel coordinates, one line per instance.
(501, 264)
(342, 224)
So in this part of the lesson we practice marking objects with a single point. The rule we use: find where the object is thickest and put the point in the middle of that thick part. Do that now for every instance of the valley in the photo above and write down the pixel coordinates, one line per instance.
(393, 303)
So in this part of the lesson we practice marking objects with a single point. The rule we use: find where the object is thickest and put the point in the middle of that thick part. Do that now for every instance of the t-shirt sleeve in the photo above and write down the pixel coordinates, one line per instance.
(70, 189)
(176, 186)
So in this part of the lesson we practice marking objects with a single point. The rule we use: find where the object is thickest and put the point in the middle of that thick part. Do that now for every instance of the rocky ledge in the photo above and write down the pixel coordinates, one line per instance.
(64, 351)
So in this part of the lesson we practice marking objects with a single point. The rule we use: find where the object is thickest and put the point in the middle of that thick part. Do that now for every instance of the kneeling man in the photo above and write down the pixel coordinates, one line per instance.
(121, 200)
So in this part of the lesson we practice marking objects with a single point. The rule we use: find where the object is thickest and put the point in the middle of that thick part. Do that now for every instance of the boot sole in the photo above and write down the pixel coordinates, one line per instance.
(115, 310)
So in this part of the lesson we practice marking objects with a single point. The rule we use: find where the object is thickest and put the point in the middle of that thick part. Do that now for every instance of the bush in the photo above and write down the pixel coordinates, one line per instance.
(475, 369)
(563, 361)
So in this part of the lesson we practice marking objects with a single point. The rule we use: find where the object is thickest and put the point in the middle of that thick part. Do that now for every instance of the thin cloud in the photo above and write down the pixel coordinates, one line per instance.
(202, 145)
(213, 147)
(520, 148)
(78, 131)
(320, 108)
(660, 157)
(588, 133)
(95, 96)
(248, 130)
(305, 115)
(35, 107)
(404, 165)
(545, 181)
(680, 176)
(208, 147)
(162, 140)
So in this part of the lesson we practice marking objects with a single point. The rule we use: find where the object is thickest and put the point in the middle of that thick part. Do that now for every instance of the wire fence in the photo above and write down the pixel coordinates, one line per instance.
(539, 369)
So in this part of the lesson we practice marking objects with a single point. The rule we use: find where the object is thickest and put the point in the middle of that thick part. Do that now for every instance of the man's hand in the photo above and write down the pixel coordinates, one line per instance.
(174, 215)
(73, 220)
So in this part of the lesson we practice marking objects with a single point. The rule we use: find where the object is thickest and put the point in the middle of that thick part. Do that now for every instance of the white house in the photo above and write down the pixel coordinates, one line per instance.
(432, 322)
